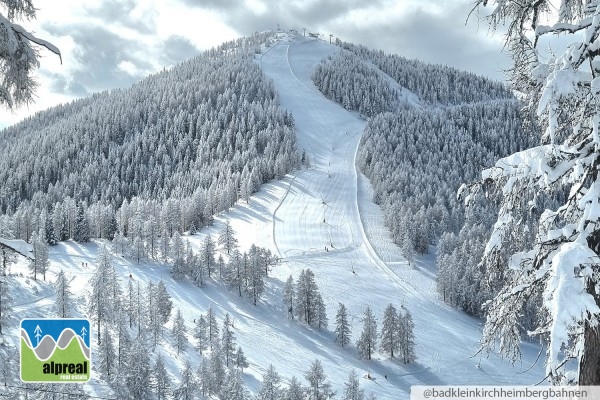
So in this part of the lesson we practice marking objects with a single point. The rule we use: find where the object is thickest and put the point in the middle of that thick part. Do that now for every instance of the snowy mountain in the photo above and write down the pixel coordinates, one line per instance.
(319, 217)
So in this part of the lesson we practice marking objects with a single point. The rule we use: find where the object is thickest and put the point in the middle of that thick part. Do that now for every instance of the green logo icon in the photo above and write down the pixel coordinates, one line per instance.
(55, 350)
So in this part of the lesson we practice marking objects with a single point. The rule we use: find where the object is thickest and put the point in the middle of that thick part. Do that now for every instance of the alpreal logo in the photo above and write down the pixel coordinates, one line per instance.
(55, 350)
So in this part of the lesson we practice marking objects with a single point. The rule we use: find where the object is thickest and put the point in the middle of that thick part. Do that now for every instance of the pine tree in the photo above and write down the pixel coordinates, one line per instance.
(63, 296)
(288, 296)
(179, 331)
(342, 326)
(352, 390)
(368, 338)
(319, 388)
(161, 383)
(269, 388)
(390, 331)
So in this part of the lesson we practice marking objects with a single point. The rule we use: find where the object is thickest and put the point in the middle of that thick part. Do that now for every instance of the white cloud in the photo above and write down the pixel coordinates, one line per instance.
(113, 43)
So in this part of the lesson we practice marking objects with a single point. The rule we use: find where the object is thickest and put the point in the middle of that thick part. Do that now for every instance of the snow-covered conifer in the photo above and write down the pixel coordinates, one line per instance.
(367, 341)
(161, 382)
(62, 304)
(187, 387)
(390, 331)
(179, 331)
(213, 327)
(82, 229)
(269, 387)
(240, 359)
(288, 296)
(138, 373)
(208, 254)
(227, 238)
(407, 338)
(163, 302)
(233, 387)
(342, 326)
(319, 388)
(200, 334)
(295, 391)
(561, 89)
(228, 345)
(352, 390)
(107, 356)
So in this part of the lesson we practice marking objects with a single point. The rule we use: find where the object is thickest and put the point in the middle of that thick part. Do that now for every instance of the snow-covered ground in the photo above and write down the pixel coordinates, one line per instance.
(327, 205)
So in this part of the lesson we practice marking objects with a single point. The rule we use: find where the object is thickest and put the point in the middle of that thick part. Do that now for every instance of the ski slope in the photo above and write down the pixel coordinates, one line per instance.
(322, 209)
(325, 206)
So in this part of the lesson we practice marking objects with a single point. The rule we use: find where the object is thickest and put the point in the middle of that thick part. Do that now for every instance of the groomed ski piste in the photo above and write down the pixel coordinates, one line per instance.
(328, 206)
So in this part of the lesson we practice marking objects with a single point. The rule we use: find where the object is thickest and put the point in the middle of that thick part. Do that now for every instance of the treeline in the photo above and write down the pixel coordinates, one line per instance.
(202, 135)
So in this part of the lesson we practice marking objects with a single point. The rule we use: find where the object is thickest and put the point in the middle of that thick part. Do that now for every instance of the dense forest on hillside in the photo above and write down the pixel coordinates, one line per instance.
(433, 83)
(418, 155)
(191, 141)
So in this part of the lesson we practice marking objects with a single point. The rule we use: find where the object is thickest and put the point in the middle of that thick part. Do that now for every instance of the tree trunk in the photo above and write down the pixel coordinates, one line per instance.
(589, 367)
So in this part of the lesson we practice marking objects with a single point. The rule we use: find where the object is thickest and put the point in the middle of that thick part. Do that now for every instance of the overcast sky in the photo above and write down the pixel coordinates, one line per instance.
(114, 43)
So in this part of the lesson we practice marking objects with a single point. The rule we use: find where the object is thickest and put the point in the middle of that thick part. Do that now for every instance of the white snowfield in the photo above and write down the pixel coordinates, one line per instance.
(298, 218)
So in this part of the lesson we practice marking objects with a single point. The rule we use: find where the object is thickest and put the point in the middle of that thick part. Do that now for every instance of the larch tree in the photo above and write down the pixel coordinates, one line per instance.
(562, 94)
(18, 54)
